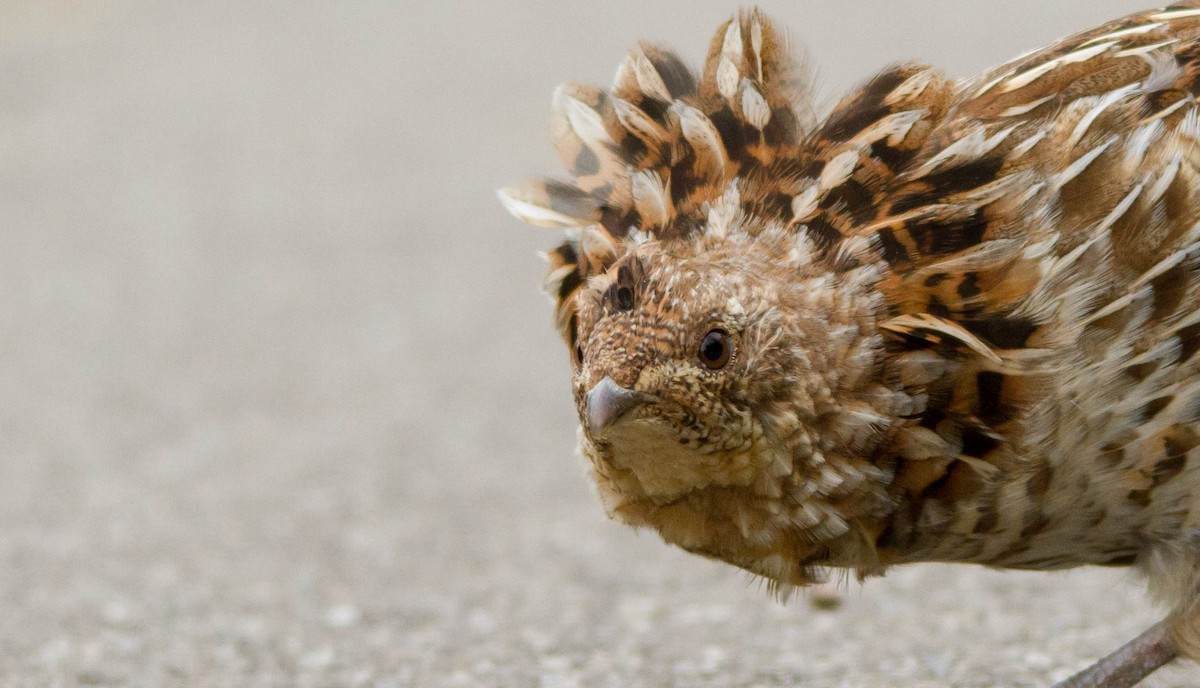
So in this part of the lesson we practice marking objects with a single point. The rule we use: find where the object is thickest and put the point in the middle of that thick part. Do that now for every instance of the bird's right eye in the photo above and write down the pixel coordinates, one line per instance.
(715, 349)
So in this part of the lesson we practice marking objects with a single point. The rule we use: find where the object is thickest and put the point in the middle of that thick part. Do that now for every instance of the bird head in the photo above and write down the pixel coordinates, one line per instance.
(713, 378)
(675, 354)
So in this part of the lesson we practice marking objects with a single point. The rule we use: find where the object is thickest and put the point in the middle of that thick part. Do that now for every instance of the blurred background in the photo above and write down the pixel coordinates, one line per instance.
(281, 404)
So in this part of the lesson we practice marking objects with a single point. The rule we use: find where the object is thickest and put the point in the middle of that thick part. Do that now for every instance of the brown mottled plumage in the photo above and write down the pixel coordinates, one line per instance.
(952, 321)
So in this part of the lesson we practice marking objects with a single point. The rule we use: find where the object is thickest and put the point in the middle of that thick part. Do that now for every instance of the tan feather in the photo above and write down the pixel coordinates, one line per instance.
(951, 321)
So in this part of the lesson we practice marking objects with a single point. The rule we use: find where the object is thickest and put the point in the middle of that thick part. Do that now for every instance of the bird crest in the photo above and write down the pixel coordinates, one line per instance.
(649, 154)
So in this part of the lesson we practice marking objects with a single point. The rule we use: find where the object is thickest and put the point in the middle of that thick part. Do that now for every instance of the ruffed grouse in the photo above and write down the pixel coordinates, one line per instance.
(950, 321)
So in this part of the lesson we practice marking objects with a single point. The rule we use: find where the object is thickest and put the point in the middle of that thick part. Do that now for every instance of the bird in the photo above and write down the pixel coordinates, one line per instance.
(949, 320)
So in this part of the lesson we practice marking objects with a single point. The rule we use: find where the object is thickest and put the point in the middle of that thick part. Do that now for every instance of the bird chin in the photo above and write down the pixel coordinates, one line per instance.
(646, 478)
(665, 469)
(650, 450)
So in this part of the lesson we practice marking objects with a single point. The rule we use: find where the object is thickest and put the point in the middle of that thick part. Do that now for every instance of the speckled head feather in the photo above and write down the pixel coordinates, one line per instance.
(959, 315)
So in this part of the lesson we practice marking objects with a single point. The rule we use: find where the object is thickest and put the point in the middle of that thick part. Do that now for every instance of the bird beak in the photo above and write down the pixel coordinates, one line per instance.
(607, 402)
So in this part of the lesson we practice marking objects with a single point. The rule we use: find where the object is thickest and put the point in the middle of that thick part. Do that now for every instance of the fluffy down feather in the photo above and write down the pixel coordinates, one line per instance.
(962, 313)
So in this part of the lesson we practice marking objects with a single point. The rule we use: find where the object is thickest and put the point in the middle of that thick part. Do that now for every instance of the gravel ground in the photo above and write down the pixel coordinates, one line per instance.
(281, 403)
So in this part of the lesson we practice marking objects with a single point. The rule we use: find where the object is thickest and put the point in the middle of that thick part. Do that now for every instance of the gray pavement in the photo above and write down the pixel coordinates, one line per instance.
(280, 404)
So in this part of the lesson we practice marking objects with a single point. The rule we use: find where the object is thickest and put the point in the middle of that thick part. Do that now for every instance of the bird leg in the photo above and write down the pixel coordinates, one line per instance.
(1133, 662)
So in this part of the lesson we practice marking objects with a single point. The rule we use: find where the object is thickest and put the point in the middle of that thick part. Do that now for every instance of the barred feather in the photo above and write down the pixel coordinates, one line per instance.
(1015, 256)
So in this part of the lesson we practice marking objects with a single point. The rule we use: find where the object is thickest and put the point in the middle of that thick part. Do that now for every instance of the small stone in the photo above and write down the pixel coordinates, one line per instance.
(342, 616)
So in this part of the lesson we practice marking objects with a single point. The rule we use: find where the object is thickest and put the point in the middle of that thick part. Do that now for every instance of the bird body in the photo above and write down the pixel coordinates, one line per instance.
(950, 321)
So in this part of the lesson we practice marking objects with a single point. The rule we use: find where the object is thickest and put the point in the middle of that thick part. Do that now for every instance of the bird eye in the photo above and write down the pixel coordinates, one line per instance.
(715, 349)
